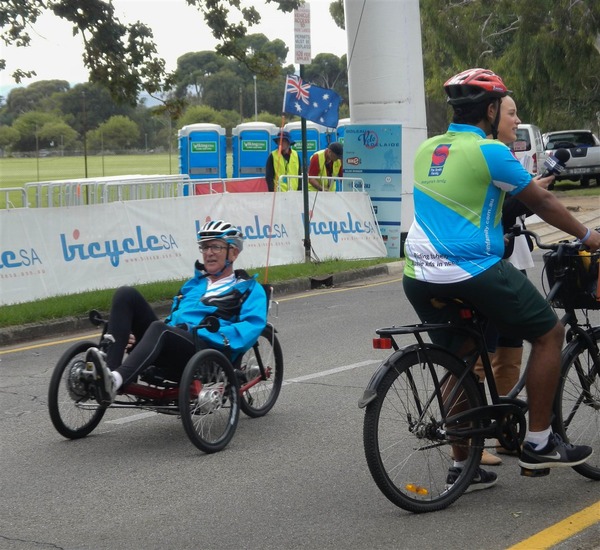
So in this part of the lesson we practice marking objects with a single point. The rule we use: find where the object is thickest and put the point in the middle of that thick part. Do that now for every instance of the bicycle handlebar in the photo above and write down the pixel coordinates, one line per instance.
(517, 230)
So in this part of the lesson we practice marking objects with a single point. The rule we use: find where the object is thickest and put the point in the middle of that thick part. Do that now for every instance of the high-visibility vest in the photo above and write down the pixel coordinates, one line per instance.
(328, 185)
(283, 167)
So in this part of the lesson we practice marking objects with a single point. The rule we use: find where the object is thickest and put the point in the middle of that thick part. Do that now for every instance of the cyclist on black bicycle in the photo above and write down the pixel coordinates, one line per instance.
(455, 245)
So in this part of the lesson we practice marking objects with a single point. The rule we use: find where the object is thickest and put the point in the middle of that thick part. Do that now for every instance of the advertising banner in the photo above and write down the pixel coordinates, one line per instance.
(373, 152)
(59, 251)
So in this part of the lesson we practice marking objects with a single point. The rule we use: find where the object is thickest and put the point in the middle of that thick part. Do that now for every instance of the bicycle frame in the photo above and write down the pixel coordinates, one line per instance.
(492, 414)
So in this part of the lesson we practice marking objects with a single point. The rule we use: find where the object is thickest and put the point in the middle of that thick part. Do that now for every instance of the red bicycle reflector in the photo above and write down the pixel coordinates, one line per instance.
(465, 314)
(382, 343)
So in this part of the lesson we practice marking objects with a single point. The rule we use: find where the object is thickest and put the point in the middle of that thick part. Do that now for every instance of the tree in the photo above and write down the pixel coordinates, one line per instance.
(29, 126)
(9, 136)
(329, 71)
(117, 133)
(89, 105)
(544, 50)
(193, 70)
(58, 134)
(204, 114)
(123, 57)
(37, 96)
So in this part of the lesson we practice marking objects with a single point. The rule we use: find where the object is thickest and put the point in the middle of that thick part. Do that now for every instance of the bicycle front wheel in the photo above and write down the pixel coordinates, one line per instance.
(577, 404)
(406, 431)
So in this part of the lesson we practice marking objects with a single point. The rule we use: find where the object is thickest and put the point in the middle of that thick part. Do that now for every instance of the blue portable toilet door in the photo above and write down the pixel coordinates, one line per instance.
(204, 158)
(254, 148)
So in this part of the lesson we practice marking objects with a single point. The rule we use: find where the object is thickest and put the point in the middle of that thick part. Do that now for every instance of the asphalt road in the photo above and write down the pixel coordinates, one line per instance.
(294, 479)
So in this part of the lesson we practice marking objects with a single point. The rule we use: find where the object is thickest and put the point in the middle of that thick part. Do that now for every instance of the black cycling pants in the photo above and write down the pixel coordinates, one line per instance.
(156, 343)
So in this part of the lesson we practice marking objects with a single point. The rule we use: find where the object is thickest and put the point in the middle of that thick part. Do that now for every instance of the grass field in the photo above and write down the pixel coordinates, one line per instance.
(16, 172)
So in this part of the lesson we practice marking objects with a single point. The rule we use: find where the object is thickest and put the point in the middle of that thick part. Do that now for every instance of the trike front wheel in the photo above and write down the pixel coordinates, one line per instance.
(209, 400)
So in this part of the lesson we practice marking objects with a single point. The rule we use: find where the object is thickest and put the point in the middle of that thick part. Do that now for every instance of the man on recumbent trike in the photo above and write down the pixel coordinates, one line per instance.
(236, 299)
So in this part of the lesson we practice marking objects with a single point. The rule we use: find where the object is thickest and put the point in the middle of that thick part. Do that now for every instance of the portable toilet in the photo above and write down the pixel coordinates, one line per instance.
(252, 142)
(313, 137)
(341, 129)
(203, 151)
(327, 136)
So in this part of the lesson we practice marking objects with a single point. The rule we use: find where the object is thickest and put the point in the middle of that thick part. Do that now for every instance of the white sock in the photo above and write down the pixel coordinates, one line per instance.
(538, 439)
(460, 464)
(118, 379)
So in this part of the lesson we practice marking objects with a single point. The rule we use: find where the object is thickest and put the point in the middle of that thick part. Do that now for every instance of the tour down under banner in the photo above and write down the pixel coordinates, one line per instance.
(59, 251)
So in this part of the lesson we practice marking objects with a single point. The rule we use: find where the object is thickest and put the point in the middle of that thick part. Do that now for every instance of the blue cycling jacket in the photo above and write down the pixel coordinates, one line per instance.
(241, 309)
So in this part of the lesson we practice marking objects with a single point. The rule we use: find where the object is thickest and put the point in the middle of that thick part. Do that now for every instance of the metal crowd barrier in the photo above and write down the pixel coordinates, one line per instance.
(12, 194)
(341, 184)
(77, 192)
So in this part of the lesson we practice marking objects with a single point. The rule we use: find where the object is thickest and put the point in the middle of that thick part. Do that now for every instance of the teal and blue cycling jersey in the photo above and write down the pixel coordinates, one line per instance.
(460, 182)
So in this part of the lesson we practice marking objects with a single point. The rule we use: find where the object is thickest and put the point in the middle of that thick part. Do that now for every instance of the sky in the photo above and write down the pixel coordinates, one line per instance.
(178, 28)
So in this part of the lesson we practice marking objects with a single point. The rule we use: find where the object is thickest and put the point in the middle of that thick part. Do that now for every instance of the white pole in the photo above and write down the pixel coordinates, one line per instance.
(255, 100)
(385, 76)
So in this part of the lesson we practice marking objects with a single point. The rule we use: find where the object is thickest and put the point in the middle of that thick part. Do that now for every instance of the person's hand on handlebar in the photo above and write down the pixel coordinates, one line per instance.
(591, 241)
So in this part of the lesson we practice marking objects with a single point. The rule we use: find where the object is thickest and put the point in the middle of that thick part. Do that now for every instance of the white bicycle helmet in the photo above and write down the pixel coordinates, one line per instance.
(219, 229)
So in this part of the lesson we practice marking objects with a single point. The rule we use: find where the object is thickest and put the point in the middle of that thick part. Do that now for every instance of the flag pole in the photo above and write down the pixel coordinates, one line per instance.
(307, 245)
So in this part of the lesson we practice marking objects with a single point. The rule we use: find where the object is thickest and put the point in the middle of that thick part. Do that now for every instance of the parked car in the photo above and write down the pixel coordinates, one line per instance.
(529, 148)
(584, 147)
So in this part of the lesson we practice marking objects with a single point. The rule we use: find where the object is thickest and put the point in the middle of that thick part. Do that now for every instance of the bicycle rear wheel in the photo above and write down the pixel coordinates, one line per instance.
(407, 446)
(577, 404)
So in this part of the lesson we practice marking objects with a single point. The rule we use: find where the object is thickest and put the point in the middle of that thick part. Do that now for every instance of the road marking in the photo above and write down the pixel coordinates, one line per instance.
(49, 344)
(562, 530)
(96, 335)
(142, 416)
(330, 371)
(334, 290)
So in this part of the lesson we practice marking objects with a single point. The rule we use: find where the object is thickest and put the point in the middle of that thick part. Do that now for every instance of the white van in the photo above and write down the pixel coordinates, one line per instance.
(529, 148)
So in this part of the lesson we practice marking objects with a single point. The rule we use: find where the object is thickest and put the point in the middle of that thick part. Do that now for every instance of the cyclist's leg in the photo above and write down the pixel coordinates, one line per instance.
(506, 364)
(513, 303)
(424, 297)
(542, 377)
(161, 343)
(129, 314)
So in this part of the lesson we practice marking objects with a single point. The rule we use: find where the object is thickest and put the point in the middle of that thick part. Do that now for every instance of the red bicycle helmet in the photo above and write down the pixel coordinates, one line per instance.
(474, 85)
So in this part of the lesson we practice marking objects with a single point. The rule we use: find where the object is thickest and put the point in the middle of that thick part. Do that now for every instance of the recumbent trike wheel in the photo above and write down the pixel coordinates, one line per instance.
(209, 400)
(73, 409)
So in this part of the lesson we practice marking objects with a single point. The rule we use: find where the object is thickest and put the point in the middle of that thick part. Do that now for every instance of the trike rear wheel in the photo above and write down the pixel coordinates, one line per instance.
(209, 400)
(405, 433)
(72, 406)
(262, 362)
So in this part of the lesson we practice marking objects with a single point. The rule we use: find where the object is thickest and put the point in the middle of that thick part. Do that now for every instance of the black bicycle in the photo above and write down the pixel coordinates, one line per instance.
(423, 402)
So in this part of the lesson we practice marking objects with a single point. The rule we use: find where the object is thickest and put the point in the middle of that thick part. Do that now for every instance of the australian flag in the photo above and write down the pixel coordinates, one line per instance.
(316, 104)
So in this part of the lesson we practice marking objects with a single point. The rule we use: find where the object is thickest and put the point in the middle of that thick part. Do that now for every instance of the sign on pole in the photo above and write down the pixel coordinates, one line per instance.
(302, 34)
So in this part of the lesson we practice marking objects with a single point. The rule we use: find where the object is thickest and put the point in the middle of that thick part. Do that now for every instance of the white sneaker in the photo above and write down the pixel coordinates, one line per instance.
(104, 382)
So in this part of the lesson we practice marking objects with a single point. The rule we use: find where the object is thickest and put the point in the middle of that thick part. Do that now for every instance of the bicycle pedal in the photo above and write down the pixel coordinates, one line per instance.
(527, 472)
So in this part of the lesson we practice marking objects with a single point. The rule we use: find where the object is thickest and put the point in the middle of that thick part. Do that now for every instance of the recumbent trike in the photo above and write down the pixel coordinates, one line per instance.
(208, 397)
